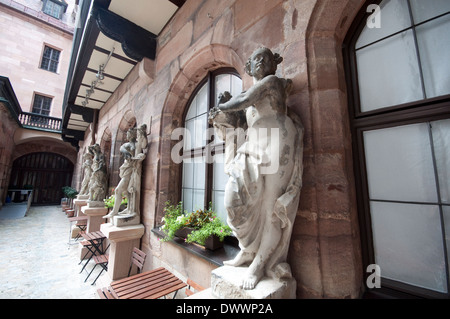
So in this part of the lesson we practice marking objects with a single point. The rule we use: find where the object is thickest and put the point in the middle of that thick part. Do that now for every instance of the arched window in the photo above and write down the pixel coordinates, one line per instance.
(397, 68)
(203, 169)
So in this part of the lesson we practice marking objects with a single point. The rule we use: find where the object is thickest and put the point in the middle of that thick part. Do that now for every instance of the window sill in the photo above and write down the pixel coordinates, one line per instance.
(54, 72)
(217, 257)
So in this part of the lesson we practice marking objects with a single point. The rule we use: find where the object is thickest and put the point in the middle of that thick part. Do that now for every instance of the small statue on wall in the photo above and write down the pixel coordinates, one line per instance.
(87, 168)
(265, 175)
(98, 182)
(134, 152)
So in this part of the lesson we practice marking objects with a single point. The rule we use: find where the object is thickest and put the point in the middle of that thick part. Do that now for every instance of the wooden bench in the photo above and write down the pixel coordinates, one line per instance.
(151, 284)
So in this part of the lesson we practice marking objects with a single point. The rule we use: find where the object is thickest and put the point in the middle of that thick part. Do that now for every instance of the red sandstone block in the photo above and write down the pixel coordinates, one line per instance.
(175, 47)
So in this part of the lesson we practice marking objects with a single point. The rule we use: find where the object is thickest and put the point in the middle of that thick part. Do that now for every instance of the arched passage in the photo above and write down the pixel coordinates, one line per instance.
(46, 173)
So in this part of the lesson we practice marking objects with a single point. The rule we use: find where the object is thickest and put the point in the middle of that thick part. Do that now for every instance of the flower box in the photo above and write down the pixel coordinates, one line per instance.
(184, 232)
(212, 242)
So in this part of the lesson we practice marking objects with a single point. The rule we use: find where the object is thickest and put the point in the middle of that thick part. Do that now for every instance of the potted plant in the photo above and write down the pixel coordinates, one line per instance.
(70, 193)
(173, 221)
(201, 226)
(211, 234)
(109, 202)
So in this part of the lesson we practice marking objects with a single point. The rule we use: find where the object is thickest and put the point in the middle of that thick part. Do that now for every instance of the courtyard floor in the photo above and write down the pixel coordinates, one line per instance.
(37, 261)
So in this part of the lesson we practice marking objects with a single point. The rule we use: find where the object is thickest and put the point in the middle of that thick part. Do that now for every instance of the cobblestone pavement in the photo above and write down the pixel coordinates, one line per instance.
(36, 260)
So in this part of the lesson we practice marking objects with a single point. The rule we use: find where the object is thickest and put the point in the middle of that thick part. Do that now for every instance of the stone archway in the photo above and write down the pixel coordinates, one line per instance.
(330, 260)
(105, 146)
(44, 172)
(128, 121)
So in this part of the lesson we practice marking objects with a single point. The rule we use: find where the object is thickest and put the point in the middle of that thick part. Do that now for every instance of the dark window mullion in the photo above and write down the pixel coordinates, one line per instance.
(441, 210)
(416, 46)
(207, 149)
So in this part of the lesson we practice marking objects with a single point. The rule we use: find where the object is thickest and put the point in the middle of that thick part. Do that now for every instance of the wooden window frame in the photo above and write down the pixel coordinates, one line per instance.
(62, 8)
(51, 59)
(426, 110)
(43, 97)
(216, 148)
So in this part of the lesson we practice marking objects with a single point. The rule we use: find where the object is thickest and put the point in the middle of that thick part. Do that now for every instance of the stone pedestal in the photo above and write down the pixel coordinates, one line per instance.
(225, 282)
(122, 241)
(125, 220)
(78, 203)
(95, 217)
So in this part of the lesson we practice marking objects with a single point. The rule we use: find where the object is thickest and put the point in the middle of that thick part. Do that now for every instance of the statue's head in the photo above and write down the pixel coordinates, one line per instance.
(142, 130)
(94, 149)
(132, 134)
(262, 62)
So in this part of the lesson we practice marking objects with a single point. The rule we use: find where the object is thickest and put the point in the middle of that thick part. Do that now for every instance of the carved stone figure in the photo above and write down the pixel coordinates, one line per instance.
(87, 168)
(98, 182)
(130, 173)
(134, 186)
(265, 175)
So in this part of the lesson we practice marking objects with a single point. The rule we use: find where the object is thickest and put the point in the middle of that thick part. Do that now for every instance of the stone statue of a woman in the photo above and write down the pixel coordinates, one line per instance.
(265, 176)
(87, 168)
(98, 182)
(134, 152)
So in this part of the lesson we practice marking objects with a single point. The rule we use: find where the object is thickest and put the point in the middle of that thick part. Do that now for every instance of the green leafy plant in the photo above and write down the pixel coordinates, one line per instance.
(174, 219)
(109, 202)
(70, 192)
(204, 222)
(214, 227)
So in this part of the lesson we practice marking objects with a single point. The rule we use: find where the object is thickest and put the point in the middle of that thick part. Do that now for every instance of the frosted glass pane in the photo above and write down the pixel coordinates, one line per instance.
(388, 73)
(192, 111)
(199, 173)
(236, 85)
(189, 138)
(424, 10)
(434, 47)
(394, 17)
(188, 174)
(219, 205)
(441, 141)
(202, 100)
(223, 83)
(408, 244)
(200, 131)
(399, 164)
(198, 199)
(446, 210)
(219, 178)
(187, 200)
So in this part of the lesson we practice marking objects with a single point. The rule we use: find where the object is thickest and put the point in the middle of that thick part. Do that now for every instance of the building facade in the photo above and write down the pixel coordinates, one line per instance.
(371, 89)
(35, 46)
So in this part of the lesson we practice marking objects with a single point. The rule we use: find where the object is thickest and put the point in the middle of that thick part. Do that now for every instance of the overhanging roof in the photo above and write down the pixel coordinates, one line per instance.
(113, 36)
